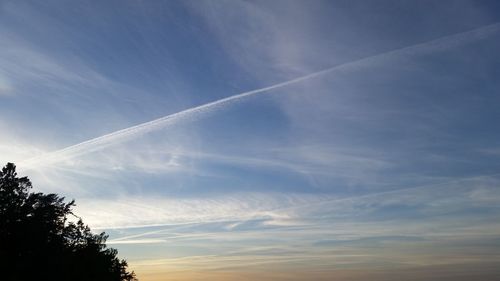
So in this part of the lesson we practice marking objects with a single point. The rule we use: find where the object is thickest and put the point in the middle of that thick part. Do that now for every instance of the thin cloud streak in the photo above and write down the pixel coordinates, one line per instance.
(196, 112)
(289, 210)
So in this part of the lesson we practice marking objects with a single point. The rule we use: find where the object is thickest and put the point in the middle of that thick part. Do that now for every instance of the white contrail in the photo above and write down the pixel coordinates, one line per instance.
(125, 134)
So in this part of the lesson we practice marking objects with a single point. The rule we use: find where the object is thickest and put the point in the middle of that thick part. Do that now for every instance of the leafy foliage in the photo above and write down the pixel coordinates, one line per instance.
(39, 242)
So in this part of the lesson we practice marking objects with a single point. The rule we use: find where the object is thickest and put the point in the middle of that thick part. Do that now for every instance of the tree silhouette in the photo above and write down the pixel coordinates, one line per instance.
(39, 242)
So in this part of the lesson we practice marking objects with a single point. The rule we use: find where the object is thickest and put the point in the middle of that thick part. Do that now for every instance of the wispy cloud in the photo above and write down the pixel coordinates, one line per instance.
(371, 231)
(194, 112)
(277, 209)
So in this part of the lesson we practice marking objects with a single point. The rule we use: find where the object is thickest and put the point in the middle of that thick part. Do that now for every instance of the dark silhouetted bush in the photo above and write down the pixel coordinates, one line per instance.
(39, 242)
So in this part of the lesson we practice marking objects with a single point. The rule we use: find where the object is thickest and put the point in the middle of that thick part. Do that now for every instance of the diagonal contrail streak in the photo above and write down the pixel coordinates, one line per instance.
(130, 132)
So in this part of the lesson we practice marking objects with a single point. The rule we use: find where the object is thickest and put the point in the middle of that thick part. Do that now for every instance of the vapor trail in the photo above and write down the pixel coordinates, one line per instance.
(130, 132)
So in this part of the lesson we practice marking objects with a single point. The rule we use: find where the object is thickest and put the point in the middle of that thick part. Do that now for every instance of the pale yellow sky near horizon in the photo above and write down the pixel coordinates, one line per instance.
(457, 272)
(388, 263)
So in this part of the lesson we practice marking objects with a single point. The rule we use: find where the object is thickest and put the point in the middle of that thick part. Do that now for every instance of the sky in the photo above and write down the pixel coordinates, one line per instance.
(264, 140)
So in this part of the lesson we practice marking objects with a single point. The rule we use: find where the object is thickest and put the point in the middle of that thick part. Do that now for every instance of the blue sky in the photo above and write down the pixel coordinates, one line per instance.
(279, 140)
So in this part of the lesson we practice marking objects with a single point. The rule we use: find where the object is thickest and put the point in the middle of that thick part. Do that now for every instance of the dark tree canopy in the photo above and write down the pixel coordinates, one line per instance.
(39, 242)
